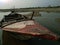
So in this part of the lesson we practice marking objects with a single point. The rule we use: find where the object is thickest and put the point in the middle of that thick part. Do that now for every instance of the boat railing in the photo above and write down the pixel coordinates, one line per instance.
(7, 20)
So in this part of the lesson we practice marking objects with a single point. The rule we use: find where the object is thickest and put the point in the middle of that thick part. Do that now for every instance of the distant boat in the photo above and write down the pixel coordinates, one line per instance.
(24, 28)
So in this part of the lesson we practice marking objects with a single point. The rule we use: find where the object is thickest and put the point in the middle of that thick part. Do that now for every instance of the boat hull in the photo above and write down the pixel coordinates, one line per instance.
(31, 28)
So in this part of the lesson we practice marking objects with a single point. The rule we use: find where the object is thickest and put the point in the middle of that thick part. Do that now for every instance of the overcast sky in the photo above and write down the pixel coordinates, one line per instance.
(27, 3)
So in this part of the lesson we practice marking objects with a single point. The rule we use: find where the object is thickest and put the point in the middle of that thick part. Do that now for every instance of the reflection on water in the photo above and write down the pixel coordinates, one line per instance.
(36, 41)
(48, 20)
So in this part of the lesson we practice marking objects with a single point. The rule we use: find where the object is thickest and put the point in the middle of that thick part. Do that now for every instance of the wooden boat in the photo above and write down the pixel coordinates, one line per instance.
(23, 28)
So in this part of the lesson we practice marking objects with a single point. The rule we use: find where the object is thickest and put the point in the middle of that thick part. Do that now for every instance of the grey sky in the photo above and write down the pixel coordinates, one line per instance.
(29, 3)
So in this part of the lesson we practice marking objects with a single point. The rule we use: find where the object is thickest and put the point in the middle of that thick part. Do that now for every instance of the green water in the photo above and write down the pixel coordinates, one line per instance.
(49, 21)
(0, 37)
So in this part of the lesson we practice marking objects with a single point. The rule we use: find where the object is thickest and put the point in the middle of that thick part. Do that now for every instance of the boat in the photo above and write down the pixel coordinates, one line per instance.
(23, 28)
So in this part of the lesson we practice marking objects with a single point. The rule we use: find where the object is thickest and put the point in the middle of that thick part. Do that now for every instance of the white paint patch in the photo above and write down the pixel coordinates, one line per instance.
(20, 25)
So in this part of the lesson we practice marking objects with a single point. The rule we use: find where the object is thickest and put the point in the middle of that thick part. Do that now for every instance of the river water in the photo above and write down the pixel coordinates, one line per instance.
(50, 20)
